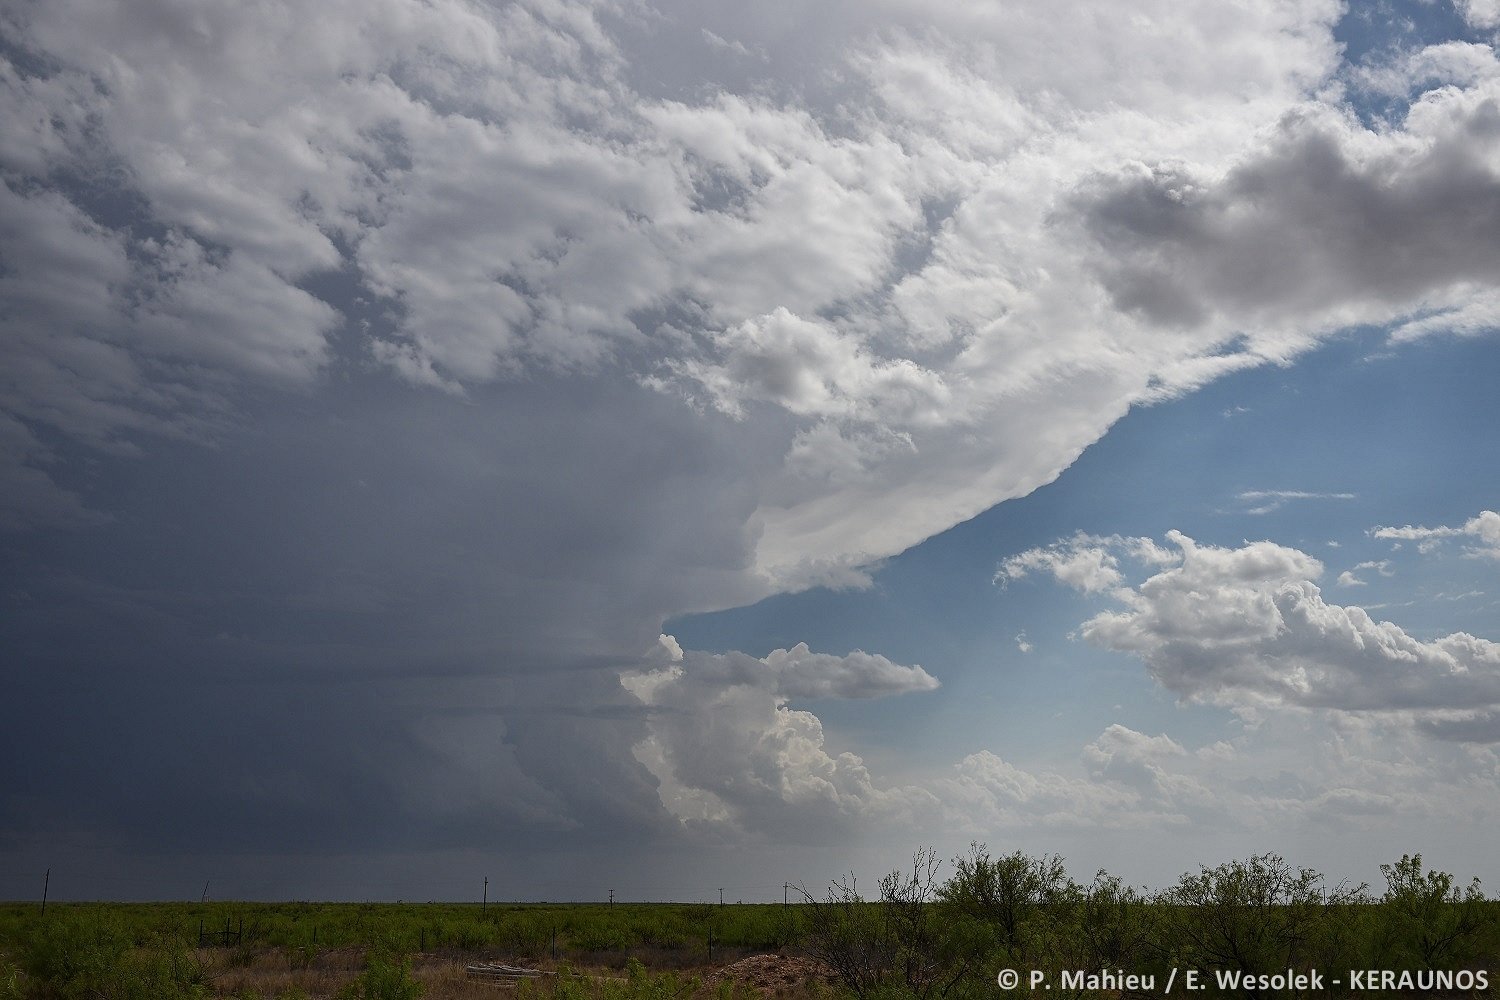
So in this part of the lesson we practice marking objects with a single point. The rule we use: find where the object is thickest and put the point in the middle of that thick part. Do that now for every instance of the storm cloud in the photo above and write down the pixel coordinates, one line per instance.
(379, 378)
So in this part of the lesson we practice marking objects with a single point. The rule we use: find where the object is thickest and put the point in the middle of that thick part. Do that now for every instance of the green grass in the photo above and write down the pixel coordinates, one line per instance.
(512, 928)
(924, 938)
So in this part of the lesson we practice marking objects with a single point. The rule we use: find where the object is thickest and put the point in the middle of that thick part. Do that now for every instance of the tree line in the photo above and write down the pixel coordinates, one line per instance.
(1242, 923)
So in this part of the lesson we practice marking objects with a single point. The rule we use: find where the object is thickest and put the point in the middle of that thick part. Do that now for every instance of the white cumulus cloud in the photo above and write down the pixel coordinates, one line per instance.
(725, 744)
(1249, 626)
(1483, 529)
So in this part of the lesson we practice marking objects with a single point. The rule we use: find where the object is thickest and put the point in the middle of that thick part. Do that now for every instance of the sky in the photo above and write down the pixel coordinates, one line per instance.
(664, 447)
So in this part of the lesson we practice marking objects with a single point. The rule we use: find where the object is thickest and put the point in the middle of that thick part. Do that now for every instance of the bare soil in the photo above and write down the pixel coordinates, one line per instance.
(772, 975)
(272, 973)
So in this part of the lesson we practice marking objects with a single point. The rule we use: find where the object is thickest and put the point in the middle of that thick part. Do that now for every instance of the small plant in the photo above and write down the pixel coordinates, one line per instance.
(569, 985)
(386, 977)
(301, 956)
(10, 981)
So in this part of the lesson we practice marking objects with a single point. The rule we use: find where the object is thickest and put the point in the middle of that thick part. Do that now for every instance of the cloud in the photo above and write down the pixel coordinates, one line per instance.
(1266, 501)
(508, 193)
(1482, 14)
(1127, 757)
(1087, 567)
(1248, 627)
(1483, 528)
(1406, 71)
(1348, 579)
(808, 369)
(987, 791)
(726, 746)
(435, 354)
(1289, 775)
(1089, 563)
(728, 752)
(800, 673)
(1122, 777)
(1322, 221)
(738, 48)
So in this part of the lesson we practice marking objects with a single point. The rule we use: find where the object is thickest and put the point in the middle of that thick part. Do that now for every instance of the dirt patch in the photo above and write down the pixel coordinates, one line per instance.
(770, 976)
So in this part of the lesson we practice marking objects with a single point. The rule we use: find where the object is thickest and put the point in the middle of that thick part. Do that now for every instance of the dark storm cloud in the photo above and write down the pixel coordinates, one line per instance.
(371, 618)
(379, 375)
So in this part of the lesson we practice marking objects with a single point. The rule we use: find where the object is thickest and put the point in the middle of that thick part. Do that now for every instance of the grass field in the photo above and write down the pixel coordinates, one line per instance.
(920, 938)
(227, 949)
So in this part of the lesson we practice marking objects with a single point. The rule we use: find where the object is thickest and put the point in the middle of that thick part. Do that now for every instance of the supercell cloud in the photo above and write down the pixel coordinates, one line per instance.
(379, 378)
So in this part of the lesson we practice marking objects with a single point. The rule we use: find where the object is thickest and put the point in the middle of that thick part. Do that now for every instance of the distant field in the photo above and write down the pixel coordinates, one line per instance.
(1240, 927)
(563, 930)
(255, 950)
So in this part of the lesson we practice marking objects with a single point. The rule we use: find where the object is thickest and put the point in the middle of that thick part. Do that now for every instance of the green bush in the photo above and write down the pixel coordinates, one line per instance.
(386, 977)
(1116, 925)
(1017, 897)
(475, 935)
(1427, 922)
(1257, 916)
(72, 946)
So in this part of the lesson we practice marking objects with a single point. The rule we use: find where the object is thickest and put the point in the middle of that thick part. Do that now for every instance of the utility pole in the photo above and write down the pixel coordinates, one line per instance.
(485, 902)
(46, 881)
(204, 897)
(611, 897)
(721, 897)
(786, 889)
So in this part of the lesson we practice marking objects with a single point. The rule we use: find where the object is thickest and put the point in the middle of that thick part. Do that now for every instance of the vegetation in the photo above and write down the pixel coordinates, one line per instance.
(922, 937)
(1240, 925)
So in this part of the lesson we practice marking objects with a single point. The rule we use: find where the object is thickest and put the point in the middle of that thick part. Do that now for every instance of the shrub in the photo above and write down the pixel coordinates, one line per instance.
(899, 945)
(1254, 916)
(1016, 900)
(1428, 923)
(1116, 925)
(386, 977)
